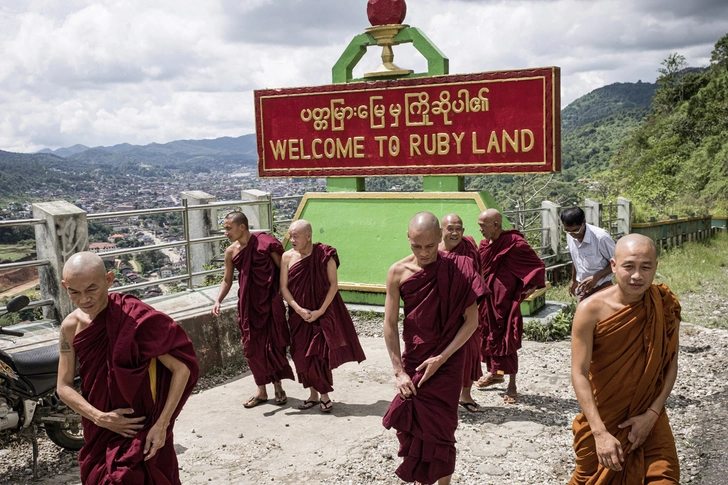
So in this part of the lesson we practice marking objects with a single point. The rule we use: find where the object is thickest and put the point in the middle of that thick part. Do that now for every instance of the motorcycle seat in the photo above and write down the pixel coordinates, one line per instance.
(43, 360)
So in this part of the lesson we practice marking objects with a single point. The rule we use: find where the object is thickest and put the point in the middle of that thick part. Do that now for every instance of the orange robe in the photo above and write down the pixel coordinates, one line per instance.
(633, 350)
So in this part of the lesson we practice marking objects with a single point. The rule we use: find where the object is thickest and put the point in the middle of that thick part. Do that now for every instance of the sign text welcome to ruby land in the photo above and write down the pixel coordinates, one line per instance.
(497, 122)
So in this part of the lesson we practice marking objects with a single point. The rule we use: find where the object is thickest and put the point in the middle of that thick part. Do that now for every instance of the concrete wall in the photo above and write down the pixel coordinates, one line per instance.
(216, 340)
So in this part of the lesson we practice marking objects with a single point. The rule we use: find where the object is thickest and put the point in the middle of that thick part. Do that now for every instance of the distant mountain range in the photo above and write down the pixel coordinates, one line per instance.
(169, 155)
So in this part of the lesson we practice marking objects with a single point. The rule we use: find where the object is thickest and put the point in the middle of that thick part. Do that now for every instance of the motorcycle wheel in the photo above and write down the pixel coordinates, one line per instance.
(65, 436)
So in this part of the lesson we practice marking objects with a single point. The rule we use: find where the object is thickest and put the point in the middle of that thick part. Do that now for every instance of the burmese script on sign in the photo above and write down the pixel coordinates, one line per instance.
(480, 123)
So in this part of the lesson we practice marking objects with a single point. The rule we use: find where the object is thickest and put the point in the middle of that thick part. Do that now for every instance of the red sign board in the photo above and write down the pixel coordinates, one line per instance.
(487, 123)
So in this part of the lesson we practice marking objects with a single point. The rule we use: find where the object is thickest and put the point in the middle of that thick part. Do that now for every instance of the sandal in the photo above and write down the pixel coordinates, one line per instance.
(326, 406)
(488, 381)
(254, 401)
(510, 399)
(281, 398)
(307, 404)
(470, 406)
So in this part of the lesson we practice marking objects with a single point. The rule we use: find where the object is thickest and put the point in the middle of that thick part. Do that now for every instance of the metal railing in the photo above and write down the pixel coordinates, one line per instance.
(25, 264)
(186, 242)
(523, 228)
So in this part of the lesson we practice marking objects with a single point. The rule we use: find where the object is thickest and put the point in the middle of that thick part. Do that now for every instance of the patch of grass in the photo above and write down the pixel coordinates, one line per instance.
(557, 329)
(10, 253)
(695, 266)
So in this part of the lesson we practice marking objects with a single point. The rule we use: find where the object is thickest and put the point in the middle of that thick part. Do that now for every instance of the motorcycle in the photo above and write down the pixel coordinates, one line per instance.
(28, 399)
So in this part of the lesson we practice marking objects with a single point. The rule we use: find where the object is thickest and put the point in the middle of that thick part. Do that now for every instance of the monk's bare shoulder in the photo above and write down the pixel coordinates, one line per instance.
(401, 270)
(598, 307)
(71, 325)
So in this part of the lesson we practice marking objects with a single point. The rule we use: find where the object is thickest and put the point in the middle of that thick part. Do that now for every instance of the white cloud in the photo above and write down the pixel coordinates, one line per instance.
(106, 72)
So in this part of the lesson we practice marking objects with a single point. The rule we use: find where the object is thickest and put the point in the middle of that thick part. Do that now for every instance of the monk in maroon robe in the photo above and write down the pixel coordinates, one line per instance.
(440, 297)
(512, 271)
(138, 368)
(322, 332)
(261, 313)
(455, 243)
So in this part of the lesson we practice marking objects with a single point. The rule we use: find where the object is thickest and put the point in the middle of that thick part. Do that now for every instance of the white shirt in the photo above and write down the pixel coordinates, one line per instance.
(592, 254)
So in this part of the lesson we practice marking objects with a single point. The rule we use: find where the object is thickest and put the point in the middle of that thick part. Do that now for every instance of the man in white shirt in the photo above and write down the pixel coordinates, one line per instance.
(591, 248)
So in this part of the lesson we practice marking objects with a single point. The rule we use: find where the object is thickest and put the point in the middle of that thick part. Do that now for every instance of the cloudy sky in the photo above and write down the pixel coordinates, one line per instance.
(142, 71)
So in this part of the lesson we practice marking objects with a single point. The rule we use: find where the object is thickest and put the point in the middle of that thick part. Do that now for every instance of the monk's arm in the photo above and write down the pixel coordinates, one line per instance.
(609, 450)
(276, 259)
(285, 262)
(180, 376)
(114, 420)
(659, 403)
(227, 282)
(405, 387)
(333, 288)
(641, 425)
(464, 333)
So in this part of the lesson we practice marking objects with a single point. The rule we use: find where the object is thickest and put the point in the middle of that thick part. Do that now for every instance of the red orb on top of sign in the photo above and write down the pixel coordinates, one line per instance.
(384, 12)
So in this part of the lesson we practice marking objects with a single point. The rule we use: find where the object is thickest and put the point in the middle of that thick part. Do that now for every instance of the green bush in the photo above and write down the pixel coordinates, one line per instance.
(557, 329)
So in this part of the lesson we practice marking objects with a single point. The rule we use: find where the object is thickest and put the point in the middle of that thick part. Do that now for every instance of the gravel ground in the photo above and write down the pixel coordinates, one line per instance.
(526, 443)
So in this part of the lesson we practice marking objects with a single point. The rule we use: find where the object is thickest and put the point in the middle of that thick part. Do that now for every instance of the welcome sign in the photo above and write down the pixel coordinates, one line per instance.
(486, 123)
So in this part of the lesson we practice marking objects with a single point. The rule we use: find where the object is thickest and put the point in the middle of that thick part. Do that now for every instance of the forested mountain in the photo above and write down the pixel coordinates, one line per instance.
(676, 162)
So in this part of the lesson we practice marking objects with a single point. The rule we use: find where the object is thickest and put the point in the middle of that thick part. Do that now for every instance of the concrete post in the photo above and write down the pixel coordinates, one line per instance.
(257, 214)
(550, 220)
(593, 212)
(202, 223)
(64, 233)
(624, 216)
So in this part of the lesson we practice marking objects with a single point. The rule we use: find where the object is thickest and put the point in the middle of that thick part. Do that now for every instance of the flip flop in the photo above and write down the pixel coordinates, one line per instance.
(281, 398)
(470, 406)
(326, 406)
(488, 381)
(508, 399)
(254, 401)
(307, 404)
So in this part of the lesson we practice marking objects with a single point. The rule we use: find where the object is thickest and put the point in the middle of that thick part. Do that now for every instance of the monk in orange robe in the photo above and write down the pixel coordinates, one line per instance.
(455, 243)
(623, 368)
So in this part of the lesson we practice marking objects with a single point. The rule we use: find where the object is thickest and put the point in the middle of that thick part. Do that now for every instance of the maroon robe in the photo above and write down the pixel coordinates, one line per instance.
(435, 299)
(114, 354)
(328, 342)
(472, 370)
(261, 313)
(510, 266)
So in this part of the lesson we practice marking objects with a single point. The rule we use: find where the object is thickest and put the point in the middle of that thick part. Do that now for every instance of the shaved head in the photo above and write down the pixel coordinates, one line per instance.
(451, 219)
(302, 226)
(424, 237)
(633, 242)
(492, 215)
(237, 217)
(634, 265)
(85, 263)
(423, 222)
(87, 282)
(491, 224)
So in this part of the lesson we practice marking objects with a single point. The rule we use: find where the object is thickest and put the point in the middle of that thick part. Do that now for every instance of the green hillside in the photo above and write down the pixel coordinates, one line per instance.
(605, 102)
(676, 162)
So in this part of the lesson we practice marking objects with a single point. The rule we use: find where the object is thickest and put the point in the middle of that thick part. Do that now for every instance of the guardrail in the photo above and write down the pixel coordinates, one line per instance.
(186, 241)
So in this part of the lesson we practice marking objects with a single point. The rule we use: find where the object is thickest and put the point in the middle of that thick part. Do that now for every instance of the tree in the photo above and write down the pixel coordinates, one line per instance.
(670, 93)
(719, 56)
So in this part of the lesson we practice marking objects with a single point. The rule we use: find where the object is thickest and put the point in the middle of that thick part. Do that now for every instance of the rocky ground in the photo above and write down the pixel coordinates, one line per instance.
(526, 443)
